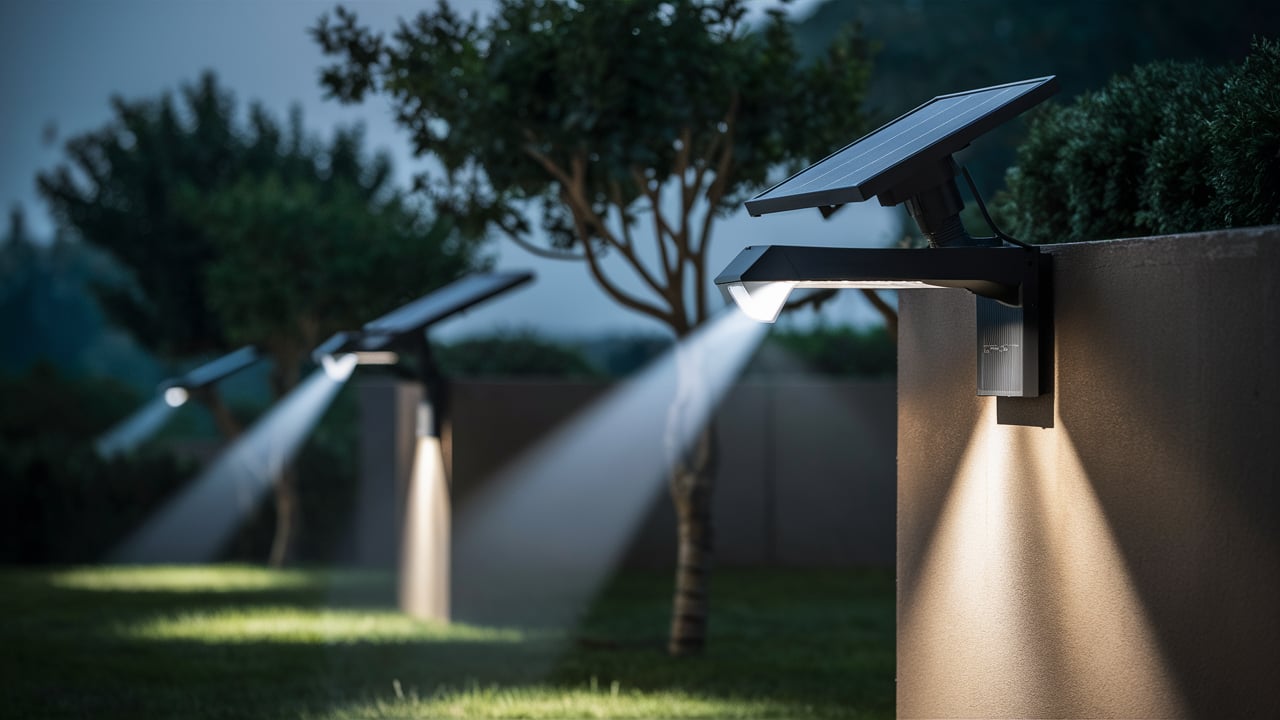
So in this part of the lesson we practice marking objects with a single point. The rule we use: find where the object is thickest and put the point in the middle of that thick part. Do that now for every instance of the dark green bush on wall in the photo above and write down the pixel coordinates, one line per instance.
(1171, 147)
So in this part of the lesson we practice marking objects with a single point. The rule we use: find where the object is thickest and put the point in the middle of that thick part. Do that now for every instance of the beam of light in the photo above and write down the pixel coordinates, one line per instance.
(534, 544)
(134, 430)
(1111, 647)
(1023, 606)
(424, 553)
(193, 526)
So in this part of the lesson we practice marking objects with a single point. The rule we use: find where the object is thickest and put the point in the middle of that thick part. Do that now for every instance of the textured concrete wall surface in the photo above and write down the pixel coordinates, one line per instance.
(806, 471)
(1111, 549)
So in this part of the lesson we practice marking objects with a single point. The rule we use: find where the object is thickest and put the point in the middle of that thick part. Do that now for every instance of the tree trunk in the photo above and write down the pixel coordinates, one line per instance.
(691, 486)
(691, 455)
(284, 378)
(287, 517)
(226, 423)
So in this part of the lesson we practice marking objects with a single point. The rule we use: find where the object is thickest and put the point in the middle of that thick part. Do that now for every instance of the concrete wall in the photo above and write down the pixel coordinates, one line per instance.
(1111, 549)
(806, 471)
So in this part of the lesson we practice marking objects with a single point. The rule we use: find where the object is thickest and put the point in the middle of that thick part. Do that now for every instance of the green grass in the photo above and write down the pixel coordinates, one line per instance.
(241, 642)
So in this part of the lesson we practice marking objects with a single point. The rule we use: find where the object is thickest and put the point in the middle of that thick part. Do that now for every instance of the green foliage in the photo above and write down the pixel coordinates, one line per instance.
(235, 641)
(621, 355)
(930, 48)
(1171, 147)
(237, 233)
(301, 259)
(118, 194)
(588, 114)
(60, 502)
(47, 307)
(514, 355)
(841, 350)
(1245, 138)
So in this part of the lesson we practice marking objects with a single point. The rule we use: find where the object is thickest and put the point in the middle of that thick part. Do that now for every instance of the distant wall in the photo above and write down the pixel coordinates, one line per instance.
(1111, 549)
(806, 471)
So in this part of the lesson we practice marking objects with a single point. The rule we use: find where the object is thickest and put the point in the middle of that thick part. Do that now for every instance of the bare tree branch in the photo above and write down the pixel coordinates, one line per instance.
(886, 311)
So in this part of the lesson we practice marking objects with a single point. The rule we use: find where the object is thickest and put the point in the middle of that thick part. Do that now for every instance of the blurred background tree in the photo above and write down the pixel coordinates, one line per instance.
(590, 116)
(256, 234)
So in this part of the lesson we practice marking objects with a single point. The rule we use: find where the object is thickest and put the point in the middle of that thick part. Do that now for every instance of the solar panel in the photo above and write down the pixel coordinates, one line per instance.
(448, 300)
(899, 150)
(215, 370)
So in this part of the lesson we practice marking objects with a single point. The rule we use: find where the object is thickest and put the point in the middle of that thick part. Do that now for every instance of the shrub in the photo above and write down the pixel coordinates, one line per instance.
(1171, 147)
(60, 502)
(520, 354)
(843, 350)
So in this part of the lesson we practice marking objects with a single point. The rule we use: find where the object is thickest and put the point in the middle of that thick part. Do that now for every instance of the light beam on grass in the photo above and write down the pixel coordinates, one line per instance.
(193, 526)
(534, 545)
(135, 429)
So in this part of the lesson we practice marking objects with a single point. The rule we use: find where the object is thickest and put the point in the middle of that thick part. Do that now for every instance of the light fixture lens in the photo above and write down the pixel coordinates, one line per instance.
(761, 301)
(339, 367)
(377, 357)
(176, 396)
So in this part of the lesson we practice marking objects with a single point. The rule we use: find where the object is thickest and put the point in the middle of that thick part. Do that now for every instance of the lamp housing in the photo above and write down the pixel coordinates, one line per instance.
(176, 391)
(909, 161)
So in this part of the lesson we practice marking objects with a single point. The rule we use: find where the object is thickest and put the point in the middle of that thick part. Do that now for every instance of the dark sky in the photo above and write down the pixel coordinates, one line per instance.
(63, 59)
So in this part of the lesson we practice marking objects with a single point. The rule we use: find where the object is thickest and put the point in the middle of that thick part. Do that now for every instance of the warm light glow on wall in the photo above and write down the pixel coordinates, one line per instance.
(424, 554)
(1023, 599)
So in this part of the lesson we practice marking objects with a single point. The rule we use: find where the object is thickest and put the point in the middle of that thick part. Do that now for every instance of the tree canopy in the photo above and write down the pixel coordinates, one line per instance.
(243, 231)
(588, 116)
(583, 118)
(247, 233)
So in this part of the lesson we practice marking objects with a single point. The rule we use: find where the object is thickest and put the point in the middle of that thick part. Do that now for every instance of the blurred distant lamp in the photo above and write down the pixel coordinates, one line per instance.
(406, 515)
(381, 341)
(909, 161)
(176, 391)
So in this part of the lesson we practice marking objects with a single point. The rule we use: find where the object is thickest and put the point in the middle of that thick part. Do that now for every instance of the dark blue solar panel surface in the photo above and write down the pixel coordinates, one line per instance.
(452, 298)
(888, 155)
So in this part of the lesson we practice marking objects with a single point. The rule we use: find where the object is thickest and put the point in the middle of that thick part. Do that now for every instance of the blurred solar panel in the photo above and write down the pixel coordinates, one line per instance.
(215, 370)
(895, 152)
(448, 300)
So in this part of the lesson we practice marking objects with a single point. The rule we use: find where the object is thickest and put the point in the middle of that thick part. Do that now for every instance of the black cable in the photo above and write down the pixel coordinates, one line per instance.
(973, 188)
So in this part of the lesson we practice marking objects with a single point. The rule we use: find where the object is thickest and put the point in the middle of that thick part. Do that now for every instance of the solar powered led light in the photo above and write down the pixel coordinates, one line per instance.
(176, 391)
(909, 161)
(381, 341)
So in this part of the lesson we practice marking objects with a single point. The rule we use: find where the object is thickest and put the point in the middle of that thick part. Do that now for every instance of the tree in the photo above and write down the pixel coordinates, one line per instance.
(248, 235)
(591, 116)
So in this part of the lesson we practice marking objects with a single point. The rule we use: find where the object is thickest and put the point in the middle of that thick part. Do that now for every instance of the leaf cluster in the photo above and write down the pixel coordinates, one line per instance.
(1170, 147)
(588, 115)
(243, 232)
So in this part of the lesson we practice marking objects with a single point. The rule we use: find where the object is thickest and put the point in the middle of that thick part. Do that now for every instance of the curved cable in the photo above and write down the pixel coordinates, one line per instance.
(973, 188)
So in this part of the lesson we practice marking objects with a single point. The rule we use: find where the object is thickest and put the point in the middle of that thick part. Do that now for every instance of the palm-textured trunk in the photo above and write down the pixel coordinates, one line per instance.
(691, 486)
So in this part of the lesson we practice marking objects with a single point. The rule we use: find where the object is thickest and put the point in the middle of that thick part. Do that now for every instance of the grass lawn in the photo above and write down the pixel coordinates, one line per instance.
(243, 642)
